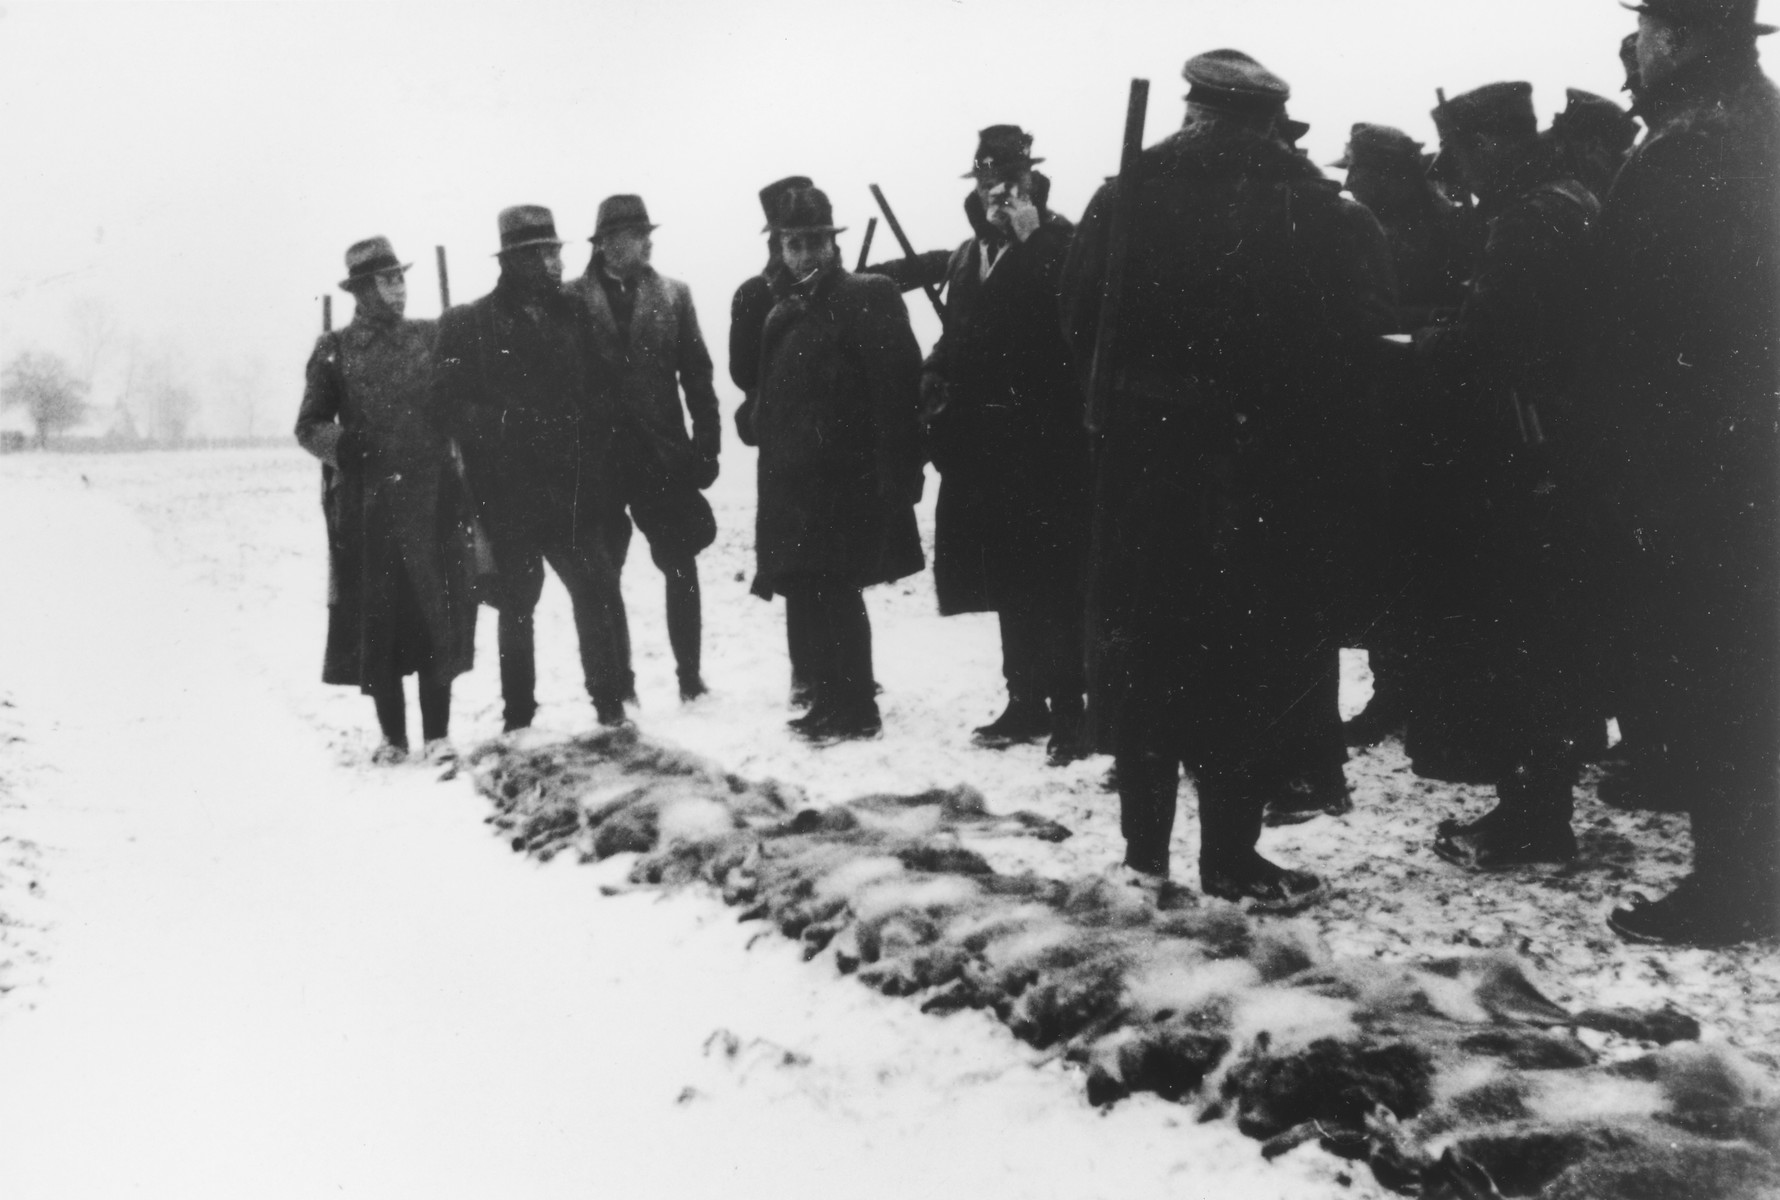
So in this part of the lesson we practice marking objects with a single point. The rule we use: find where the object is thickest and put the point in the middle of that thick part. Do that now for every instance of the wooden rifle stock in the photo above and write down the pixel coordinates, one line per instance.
(871, 228)
(908, 251)
(1118, 253)
(444, 279)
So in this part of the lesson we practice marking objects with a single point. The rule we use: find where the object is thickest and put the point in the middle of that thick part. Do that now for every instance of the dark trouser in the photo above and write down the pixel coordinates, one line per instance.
(1231, 799)
(392, 709)
(801, 648)
(1314, 745)
(677, 523)
(1041, 648)
(588, 576)
(832, 616)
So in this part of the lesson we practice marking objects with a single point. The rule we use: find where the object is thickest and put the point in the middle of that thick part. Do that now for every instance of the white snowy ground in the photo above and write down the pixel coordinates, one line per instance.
(238, 962)
(241, 962)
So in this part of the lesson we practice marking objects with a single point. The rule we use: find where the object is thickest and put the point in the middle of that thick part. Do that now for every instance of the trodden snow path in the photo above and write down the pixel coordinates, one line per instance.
(263, 974)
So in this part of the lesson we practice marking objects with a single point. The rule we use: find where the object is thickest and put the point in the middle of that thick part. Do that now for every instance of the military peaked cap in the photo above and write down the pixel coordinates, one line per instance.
(1596, 117)
(527, 225)
(1505, 108)
(804, 210)
(1725, 14)
(1003, 151)
(1380, 146)
(366, 259)
(621, 212)
(1231, 81)
(769, 195)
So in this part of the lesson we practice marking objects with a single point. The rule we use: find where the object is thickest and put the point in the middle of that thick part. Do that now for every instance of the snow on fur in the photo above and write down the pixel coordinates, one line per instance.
(1454, 1077)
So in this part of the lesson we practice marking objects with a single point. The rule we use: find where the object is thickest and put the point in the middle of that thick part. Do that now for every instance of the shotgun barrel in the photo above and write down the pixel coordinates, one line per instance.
(444, 279)
(877, 193)
(327, 314)
(1118, 253)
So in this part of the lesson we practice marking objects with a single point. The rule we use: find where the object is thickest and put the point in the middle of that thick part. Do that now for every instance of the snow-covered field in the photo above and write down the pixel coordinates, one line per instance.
(239, 961)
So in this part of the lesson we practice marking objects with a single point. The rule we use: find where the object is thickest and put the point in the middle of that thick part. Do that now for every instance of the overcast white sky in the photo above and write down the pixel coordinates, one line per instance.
(202, 167)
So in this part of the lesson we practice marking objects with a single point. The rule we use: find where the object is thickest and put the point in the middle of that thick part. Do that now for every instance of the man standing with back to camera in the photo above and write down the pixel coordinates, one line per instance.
(530, 403)
(1217, 515)
(647, 333)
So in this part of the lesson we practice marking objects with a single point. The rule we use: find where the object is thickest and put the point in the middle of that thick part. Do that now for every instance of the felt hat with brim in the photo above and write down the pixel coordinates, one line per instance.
(769, 195)
(1504, 108)
(1231, 81)
(621, 212)
(1721, 14)
(1380, 146)
(526, 225)
(804, 210)
(367, 259)
(1003, 152)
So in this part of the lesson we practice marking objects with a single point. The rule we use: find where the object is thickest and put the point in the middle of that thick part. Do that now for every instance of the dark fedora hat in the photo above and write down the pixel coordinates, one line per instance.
(1505, 108)
(367, 259)
(1380, 146)
(526, 225)
(1231, 81)
(1003, 151)
(804, 210)
(621, 212)
(769, 195)
(1722, 14)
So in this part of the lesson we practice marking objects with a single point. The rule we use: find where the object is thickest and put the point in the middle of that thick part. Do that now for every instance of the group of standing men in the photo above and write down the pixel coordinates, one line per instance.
(1507, 419)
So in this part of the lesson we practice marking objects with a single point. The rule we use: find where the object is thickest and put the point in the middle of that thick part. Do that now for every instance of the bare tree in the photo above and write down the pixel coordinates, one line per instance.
(44, 386)
(96, 331)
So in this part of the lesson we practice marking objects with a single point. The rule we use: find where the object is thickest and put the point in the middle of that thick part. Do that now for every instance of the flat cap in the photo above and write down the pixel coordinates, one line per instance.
(1724, 14)
(1231, 81)
(1380, 146)
(1596, 118)
(1505, 108)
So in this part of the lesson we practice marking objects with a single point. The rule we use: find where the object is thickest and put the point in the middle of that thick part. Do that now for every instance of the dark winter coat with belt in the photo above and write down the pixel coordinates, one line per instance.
(399, 565)
(1008, 440)
(1681, 405)
(530, 401)
(658, 356)
(840, 466)
(1222, 488)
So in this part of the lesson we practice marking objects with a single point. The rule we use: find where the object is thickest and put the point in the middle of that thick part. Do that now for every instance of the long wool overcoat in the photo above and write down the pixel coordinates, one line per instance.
(1223, 478)
(1009, 444)
(839, 433)
(1682, 397)
(393, 506)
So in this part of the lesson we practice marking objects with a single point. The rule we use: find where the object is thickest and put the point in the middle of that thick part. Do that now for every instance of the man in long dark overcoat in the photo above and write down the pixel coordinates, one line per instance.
(1004, 428)
(531, 403)
(399, 595)
(840, 467)
(1218, 521)
(748, 310)
(1496, 689)
(1682, 387)
(647, 332)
